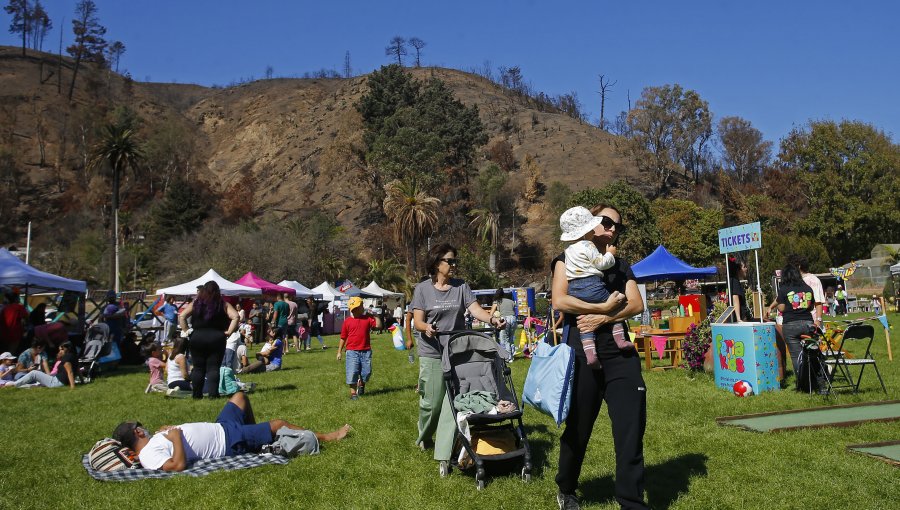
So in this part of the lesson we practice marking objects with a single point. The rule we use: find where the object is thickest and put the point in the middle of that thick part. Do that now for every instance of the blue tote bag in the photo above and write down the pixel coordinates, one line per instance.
(548, 385)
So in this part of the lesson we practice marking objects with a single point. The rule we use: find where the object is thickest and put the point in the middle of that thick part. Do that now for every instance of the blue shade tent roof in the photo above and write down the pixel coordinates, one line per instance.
(662, 265)
(14, 272)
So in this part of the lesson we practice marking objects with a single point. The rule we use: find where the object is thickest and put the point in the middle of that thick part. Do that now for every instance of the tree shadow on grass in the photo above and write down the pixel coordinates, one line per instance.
(385, 391)
(664, 482)
(265, 389)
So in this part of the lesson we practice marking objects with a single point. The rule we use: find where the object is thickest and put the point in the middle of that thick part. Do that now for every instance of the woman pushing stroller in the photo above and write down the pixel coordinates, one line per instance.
(439, 304)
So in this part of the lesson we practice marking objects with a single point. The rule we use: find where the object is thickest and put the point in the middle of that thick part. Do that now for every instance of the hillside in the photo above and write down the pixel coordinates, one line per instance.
(294, 143)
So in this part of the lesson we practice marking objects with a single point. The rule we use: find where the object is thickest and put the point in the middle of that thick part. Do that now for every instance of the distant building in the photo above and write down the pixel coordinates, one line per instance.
(877, 268)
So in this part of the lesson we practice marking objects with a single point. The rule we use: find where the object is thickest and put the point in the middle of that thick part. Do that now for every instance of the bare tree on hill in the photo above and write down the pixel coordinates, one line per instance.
(40, 25)
(348, 71)
(21, 19)
(745, 153)
(116, 50)
(269, 72)
(89, 41)
(605, 85)
(397, 49)
(418, 44)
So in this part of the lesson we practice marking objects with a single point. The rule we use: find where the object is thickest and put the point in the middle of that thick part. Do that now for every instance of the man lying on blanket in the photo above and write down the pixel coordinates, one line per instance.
(235, 431)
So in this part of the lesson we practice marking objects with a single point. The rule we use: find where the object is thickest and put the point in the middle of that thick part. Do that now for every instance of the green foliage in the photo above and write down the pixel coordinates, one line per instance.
(643, 235)
(489, 186)
(689, 231)
(889, 290)
(851, 183)
(413, 131)
(541, 306)
(698, 339)
(475, 270)
(182, 210)
(670, 127)
(777, 247)
(388, 273)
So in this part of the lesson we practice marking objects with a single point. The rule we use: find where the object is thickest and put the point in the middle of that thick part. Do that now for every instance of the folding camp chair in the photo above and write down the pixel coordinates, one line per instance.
(841, 362)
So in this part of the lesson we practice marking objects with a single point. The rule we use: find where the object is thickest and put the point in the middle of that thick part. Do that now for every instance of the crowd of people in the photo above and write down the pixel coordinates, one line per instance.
(594, 290)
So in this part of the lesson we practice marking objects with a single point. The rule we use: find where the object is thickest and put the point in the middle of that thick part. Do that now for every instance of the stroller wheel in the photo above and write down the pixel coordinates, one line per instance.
(480, 484)
(526, 475)
(479, 479)
(444, 468)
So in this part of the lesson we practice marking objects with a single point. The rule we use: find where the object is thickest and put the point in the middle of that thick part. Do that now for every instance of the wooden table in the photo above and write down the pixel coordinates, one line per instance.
(673, 346)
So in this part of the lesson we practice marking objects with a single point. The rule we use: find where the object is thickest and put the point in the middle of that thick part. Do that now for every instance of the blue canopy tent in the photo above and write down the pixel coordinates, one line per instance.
(662, 265)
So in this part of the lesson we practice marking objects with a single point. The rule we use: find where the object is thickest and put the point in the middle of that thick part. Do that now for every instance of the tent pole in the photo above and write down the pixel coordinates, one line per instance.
(728, 281)
(28, 244)
(758, 286)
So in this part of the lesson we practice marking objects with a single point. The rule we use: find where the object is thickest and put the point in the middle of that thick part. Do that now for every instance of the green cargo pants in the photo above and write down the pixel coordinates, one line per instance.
(435, 417)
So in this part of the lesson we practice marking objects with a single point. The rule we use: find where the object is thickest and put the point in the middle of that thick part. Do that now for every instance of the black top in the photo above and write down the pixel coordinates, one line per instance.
(61, 373)
(615, 279)
(798, 302)
(219, 319)
(738, 290)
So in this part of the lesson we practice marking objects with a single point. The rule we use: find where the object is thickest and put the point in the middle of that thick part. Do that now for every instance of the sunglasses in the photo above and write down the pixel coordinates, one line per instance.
(451, 262)
(608, 223)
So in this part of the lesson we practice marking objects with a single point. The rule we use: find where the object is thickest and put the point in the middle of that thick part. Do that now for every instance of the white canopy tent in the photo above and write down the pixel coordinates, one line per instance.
(226, 287)
(302, 291)
(390, 299)
(14, 272)
(328, 293)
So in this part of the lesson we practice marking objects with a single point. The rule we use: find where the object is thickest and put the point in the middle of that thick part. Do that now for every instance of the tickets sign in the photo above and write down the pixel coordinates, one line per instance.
(740, 238)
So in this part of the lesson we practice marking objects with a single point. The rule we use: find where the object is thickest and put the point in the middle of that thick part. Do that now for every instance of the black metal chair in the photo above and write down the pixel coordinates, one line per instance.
(856, 336)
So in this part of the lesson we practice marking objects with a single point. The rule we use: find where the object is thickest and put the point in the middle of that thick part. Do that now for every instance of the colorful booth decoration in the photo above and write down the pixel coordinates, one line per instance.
(746, 352)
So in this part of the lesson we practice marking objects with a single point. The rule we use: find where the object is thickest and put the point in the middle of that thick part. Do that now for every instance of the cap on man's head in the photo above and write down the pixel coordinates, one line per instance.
(6, 355)
(354, 302)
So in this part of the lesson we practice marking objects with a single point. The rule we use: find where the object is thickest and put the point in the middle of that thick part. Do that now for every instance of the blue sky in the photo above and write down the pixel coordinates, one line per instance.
(776, 63)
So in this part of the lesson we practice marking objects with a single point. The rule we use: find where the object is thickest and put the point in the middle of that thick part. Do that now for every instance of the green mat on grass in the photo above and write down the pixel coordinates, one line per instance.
(832, 416)
(888, 451)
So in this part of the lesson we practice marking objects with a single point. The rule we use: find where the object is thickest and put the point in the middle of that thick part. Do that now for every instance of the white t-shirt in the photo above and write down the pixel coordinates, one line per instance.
(239, 353)
(584, 259)
(173, 371)
(200, 440)
(818, 292)
(398, 313)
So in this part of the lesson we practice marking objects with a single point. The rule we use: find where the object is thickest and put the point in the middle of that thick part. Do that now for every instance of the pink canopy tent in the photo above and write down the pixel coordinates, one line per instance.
(252, 280)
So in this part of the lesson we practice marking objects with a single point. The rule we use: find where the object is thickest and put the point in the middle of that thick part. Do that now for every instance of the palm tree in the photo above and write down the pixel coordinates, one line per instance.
(413, 212)
(386, 272)
(119, 149)
(487, 223)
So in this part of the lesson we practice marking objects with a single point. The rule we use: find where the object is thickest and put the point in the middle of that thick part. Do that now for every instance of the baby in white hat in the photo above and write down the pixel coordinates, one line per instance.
(7, 369)
(584, 271)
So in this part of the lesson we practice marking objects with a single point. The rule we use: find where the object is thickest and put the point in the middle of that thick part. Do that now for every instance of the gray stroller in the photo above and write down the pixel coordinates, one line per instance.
(473, 362)
(98, 344)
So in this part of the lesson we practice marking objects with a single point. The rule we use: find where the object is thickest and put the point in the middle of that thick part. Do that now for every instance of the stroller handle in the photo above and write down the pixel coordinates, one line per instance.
(455, 331)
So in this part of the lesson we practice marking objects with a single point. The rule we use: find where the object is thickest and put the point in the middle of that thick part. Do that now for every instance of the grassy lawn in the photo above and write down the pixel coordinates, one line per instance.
(691, 461)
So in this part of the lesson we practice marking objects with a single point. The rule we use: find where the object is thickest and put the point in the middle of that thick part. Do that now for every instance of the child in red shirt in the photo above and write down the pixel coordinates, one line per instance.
(355, 337)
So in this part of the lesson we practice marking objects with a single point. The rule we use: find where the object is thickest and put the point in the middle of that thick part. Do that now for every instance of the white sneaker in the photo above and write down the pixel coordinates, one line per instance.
(177, 393)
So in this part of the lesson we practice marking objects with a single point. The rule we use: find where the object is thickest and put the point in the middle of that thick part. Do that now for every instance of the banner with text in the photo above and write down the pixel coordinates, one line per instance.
(740, 238)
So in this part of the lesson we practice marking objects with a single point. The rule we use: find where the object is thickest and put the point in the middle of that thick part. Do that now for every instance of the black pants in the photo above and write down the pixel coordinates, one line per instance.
(620, 384)
(207, 352)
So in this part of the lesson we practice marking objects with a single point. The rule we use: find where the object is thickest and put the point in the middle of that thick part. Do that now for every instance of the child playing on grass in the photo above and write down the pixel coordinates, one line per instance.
(356, 337)
(153, 353)
(584, 270)
(179, 384)
(302, 335)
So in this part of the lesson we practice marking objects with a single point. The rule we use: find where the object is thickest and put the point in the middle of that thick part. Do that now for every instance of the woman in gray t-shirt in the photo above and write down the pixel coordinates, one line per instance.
(438, 305)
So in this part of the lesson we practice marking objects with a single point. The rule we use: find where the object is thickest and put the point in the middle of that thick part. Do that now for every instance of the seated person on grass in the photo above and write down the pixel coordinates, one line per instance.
(63, 373)
(235, 432)
(33, 359)
(269, 358)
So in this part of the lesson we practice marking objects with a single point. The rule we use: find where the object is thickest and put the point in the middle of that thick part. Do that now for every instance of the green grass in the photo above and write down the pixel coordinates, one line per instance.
(691, 461)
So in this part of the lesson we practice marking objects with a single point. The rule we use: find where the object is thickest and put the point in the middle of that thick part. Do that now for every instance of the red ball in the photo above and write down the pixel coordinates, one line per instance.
(743, 388)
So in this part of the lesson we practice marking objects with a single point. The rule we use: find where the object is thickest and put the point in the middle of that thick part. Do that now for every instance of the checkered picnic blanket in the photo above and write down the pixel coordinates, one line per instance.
(199, 468)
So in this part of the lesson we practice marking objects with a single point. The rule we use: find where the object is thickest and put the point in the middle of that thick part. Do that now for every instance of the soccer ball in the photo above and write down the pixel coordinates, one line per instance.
(743, 389)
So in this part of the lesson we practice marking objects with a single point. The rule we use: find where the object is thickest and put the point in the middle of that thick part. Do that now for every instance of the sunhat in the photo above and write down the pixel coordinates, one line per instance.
(576, 222)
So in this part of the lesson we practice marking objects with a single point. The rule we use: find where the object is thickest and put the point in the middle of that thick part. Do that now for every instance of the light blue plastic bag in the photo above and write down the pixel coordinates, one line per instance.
(548, 385)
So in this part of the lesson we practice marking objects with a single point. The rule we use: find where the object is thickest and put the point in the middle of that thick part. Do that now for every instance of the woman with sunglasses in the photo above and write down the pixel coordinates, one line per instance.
(439, 304)
(619, 383)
